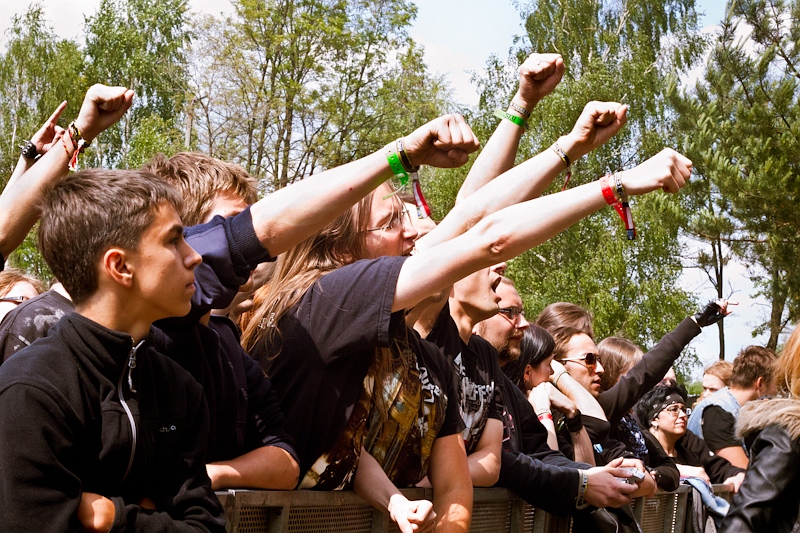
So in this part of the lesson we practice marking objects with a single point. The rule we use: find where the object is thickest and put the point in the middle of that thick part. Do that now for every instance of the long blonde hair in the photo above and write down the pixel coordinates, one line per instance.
(787, 366)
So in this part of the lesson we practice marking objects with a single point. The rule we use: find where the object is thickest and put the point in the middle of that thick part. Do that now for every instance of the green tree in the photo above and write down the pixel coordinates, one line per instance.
(287, 88)
(38, 71)
(140, 44)
(742, 127)
(614, 51)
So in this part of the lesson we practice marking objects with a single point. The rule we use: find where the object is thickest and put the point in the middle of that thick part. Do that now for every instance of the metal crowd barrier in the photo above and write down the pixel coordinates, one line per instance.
(494, 511)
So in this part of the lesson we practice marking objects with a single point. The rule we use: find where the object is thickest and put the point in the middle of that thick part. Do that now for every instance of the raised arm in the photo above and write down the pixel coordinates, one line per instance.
(102, 107)
(289, 216)
(538, 76)
(48, 136)
(515, 229)
(598, 122)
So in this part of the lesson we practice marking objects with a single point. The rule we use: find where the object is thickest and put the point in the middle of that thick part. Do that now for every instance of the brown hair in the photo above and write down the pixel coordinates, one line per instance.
(752, 363)
(11, 276)
(561, 336)
(618, 355)
(721, 370)
(340, 243)
(561, 314)
(198, 178)
(92, 210)
(787, 366)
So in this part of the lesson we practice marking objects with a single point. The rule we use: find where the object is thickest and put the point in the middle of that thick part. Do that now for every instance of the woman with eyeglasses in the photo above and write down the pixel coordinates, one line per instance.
(663, 410)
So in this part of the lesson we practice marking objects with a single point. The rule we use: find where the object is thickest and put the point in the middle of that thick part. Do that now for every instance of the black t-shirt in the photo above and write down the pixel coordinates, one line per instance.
(31, 320)
(327, 345)
(718, 428)
(477, 367)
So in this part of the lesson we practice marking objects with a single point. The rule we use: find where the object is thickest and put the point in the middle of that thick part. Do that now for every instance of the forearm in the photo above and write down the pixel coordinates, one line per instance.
(501, 236)
(582, 446)
(452, 488)
(583, 399)
(484, 468)
(18, 203)
(735, 456)
(372, 484)
(292, 214)
(496, 157)
(267, 467)
(23, 164)
(519, 184)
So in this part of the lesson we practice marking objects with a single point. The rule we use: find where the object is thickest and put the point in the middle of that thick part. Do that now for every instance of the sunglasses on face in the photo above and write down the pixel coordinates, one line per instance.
(14, 299)
(512, 313)
(675, 410)
(589, 360)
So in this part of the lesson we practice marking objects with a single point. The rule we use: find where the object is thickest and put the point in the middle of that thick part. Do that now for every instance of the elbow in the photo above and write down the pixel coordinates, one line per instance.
(496, 241)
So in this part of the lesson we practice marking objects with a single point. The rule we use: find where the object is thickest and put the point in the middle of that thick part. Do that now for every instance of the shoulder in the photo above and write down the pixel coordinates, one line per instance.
(757, 415)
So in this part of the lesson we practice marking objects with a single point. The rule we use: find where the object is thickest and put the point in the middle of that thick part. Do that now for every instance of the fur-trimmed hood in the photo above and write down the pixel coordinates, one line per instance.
(758, 414)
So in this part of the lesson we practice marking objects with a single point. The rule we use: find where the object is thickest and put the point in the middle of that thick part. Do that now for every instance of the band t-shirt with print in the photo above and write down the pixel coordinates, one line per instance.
(419, 403)
(477, 368)
(319, 364)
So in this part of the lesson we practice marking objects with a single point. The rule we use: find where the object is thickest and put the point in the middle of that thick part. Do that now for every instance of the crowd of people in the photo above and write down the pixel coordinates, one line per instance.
(331, 336)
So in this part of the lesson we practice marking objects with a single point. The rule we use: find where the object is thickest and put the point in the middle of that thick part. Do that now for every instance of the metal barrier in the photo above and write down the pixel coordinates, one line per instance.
(494, 511)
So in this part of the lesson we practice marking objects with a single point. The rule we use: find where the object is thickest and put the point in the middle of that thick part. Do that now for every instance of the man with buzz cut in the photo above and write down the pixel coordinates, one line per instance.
(100, 432)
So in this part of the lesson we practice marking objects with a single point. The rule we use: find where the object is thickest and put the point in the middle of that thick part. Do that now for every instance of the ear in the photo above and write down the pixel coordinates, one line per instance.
(528, 372)
(115, 266)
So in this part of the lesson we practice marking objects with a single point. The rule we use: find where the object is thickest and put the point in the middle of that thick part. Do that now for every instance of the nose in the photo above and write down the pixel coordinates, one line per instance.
(409, 231)
(598, 369)
(191, 259)
(500, 268)
(522, 323)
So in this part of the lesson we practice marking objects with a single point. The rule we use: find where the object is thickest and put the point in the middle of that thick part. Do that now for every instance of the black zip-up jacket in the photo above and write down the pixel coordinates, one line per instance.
(85, 411)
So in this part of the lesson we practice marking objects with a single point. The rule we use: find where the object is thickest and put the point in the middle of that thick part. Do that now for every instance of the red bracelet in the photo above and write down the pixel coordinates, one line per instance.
(544, 416)
(622, 206)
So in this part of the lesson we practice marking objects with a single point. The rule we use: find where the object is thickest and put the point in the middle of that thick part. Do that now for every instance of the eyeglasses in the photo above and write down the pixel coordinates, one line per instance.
(675, 409)
(589, 360)
(14, 299)
(395, 221)
(512, 313)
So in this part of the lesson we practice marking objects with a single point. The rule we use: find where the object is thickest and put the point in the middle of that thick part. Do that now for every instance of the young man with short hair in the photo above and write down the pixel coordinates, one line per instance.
(714, 418)
(100, 431)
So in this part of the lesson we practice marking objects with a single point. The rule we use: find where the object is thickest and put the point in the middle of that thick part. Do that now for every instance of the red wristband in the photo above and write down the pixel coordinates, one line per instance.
(546, 416)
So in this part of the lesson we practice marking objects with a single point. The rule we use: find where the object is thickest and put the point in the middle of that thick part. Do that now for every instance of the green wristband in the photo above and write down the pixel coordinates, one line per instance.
(397, 167)
(519, 121)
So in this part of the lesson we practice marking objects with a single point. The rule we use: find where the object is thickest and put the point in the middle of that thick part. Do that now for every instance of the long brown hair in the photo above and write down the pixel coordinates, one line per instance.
(617, 355)
(340, 243)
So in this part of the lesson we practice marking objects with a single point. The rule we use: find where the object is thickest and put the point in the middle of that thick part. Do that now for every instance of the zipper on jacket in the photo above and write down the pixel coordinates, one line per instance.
(130, 366)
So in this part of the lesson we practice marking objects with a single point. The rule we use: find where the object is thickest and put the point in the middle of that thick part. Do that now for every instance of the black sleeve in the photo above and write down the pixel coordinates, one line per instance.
(669, 477)
(718, 428)
(718, 468)
(770, 486)
(41, 488)
(264, 416)
(350, 308)
(646, 374)
(547, 487)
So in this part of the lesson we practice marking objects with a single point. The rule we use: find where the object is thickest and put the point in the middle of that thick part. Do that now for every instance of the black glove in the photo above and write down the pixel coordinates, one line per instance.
(711, 314)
